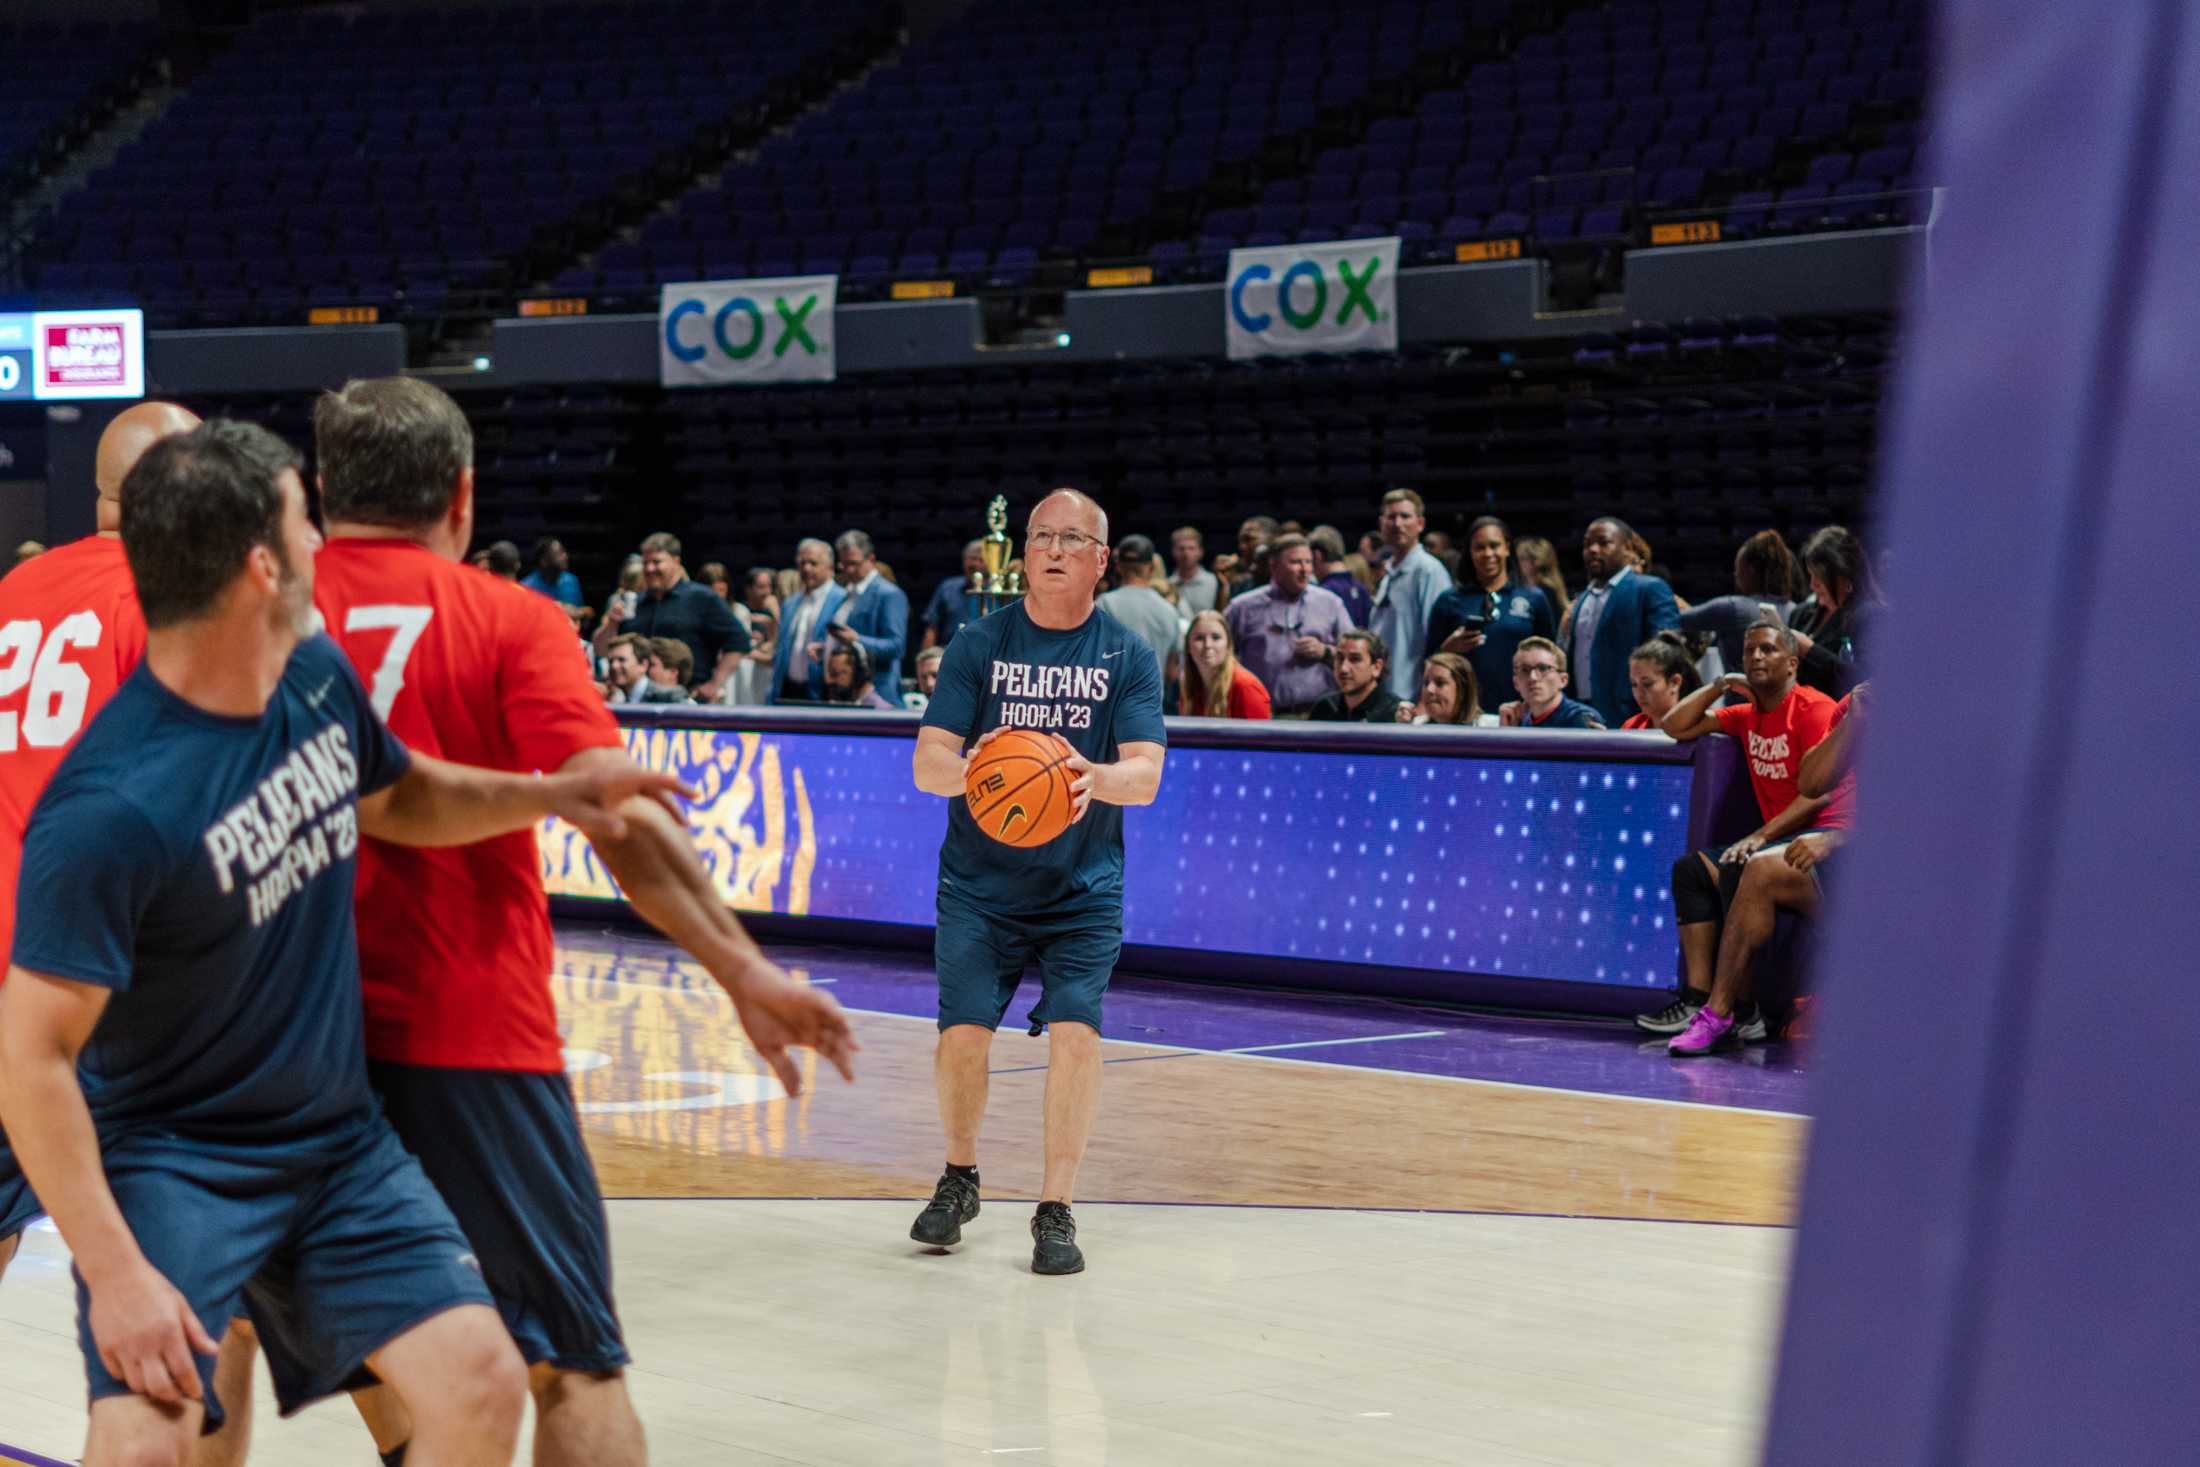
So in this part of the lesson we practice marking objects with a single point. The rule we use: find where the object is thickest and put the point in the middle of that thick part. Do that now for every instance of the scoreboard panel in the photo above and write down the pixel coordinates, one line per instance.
(63, 356)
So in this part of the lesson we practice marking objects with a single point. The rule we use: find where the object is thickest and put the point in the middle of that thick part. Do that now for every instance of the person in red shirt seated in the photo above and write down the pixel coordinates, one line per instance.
(1215, 686)
(1662, 673)
(1777, 724)
(1793, 880)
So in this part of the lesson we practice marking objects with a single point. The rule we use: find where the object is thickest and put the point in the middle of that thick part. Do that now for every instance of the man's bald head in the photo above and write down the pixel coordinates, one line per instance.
(1096, 518)
(133, 430)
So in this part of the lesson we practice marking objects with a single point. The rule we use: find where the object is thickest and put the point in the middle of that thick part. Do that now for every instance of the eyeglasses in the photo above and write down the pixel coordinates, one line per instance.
(1536, 669)
(1071, 541)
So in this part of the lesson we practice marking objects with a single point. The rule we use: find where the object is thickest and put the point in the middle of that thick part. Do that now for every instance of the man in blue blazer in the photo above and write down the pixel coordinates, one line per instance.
(874, 610)
(1619, 610)
(798, 675)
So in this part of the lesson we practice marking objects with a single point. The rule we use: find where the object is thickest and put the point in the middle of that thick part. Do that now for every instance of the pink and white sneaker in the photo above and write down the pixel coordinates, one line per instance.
(1707, 1033)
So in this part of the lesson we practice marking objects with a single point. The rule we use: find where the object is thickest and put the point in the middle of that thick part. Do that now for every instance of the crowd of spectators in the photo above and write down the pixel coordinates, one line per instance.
(1292, 622)
(1399, 626)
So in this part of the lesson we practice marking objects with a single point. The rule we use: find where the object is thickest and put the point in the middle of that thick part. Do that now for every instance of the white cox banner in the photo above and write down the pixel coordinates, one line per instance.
(719, 333)
(1316, 297)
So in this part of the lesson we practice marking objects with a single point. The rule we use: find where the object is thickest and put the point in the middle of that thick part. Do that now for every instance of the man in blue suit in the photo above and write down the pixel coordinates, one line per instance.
(874, 611)
(798, 674)
(1620, 609)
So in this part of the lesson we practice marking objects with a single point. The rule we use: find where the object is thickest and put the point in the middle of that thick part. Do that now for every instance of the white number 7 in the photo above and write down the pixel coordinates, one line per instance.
(405, 624)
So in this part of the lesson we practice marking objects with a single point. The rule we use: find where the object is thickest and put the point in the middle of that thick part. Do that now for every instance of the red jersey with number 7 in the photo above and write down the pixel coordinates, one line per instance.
(454, 942)
(70, 632)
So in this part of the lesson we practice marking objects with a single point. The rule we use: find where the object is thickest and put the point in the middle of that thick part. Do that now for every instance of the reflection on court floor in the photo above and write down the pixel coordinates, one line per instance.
(676, 1105)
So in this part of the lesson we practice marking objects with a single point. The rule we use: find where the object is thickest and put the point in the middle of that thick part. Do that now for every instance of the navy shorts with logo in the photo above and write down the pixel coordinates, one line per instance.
(981, 957)
(504, 1148)
(330, 1262)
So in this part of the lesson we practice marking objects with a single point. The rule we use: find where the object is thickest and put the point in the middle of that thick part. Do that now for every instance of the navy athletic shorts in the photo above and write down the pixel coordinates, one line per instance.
(17, 1205)
(331, 1261)
(504, 1148)
(981, 955)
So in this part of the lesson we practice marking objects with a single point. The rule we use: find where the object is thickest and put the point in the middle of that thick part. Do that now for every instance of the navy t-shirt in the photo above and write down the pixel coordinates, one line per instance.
(1514, 613)
(1569, 714)
(201, 866)
(1096, 685)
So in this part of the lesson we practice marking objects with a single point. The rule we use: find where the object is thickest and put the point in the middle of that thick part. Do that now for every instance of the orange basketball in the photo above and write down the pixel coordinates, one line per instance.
(1018, 788)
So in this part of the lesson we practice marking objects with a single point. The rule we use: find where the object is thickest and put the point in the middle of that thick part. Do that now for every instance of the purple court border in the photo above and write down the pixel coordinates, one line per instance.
(28, 1458)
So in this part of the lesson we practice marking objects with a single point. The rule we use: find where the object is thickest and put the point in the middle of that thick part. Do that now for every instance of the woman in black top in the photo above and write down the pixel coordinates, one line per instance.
(1490, 613)
(1834, 625)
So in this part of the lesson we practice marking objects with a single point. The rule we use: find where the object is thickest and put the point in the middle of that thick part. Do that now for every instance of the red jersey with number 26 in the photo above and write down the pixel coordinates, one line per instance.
(454, 942)
(1774, 744)
(70, 632)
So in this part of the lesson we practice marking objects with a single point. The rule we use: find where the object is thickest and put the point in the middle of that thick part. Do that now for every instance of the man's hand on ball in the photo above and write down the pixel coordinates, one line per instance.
(1085, 782)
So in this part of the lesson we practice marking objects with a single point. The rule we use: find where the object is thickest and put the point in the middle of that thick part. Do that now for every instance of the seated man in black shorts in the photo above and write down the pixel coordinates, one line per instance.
(1779, 721)
(1787, 879)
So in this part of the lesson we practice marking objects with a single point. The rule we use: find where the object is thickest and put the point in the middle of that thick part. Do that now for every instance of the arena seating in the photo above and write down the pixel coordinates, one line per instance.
(1699, 432)
(60, 81)
(430, 151)
(993, 145)
(1777, 117)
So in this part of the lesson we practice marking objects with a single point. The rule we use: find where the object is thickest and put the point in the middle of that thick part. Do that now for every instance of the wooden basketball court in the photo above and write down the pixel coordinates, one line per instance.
(1293, 1257)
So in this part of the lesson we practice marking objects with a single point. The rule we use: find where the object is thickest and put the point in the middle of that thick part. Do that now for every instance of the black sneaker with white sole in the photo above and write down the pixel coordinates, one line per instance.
(954, 1202)
(1749, 1026)
(1675, 1016)
(1054, 1240)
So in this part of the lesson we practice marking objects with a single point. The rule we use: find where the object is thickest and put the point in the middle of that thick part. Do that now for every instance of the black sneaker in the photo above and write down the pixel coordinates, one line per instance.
(954, 1202)
(1675, 1016)
(1054, 1240)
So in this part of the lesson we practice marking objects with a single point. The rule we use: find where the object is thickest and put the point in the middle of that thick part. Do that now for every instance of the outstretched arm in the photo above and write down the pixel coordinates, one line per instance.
(655, 865)
(143, 1327)
(438, 803)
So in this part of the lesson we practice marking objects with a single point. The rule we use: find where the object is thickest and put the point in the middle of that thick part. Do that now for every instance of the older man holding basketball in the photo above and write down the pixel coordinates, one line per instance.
(1055, 664)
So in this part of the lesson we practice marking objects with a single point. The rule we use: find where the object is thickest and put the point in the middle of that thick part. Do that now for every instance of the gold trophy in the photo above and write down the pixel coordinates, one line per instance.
(999, 585)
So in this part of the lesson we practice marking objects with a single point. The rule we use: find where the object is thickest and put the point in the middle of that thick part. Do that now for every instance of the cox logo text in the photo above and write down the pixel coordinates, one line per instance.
(1302, 295)
(738, 328)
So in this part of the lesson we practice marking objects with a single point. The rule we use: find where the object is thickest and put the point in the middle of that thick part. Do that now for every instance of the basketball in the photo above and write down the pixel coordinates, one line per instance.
(1018, 788)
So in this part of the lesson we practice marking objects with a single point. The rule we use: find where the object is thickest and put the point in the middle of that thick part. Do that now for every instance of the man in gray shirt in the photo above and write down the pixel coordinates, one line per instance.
(1137, 605)
(1287, 630)
(1412, 583)
(1196, 586)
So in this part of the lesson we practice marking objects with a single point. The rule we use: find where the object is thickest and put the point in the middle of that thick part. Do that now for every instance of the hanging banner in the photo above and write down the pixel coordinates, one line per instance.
(1319, 297)
(724, 333)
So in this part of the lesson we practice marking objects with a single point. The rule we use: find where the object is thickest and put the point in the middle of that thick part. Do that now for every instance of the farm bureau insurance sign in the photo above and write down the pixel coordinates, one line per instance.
(1322, 297)
(719, 333)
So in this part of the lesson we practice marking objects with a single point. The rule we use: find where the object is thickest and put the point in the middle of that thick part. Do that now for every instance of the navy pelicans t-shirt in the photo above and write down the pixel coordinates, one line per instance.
(1096, 685)
(201, 866)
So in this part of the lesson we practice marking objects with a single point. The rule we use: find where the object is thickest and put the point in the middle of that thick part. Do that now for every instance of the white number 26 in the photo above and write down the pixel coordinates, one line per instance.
(54, 711)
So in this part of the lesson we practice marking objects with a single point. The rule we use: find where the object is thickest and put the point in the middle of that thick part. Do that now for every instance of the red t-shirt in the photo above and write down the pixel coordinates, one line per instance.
(1637, 721)
(70, 632)
(1775, 743)
(454, 943)
(1248, 696)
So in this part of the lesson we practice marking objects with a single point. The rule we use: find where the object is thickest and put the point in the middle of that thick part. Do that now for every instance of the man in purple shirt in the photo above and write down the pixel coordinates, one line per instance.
(1286, 631)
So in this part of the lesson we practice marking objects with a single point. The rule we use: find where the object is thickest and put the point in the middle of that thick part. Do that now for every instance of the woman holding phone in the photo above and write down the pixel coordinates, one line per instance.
(1490, 612)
